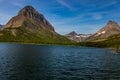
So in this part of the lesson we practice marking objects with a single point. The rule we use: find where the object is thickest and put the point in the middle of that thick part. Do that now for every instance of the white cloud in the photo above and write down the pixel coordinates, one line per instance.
(65, 4)
(97, 3)
(108, 4)
(17, 4)
(78, 19)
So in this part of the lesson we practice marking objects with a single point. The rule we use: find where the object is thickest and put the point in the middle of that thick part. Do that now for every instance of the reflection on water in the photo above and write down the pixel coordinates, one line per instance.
(32, 62)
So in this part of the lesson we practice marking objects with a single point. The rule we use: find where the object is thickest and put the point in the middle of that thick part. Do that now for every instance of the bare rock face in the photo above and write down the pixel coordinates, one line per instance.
(110, 29)
(77, 37)
(26, 15)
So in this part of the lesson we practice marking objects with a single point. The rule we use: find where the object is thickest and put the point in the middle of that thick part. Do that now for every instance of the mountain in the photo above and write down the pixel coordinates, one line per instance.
(77, 37)
(110, 29)
(29, 26)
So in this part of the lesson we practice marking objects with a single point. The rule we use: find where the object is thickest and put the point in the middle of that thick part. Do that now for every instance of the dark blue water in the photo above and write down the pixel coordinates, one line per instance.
(32, 62)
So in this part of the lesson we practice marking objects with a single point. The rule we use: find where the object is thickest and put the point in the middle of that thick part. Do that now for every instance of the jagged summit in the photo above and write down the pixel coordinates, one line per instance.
(72, 33)
(29, 15)
(30, 12)
(27, 9)
(111, 22)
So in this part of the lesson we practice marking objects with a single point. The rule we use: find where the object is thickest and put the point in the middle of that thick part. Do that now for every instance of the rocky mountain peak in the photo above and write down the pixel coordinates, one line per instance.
(111, 28)
(30, 18)
(30, 12)
(72, 33)
(112, 24)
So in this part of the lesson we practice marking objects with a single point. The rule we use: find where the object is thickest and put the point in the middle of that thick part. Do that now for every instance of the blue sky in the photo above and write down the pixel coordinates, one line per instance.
(82, 16)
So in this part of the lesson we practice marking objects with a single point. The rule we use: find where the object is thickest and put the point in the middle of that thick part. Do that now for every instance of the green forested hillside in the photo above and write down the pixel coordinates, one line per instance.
(20, 35)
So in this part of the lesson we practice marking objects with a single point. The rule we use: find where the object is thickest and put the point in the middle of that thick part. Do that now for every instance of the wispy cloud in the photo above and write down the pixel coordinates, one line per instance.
(65, 4)
(80, 23)
(97, 3)
(78, 19)
(109, 4)
(18, 4)
(13, 2)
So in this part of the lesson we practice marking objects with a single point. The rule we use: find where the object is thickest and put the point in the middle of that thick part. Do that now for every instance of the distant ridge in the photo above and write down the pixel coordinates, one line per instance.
(77, 37)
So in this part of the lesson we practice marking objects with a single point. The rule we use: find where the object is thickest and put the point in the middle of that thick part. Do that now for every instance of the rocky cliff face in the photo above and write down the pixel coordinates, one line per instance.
(77, 37)
(110, 29)
(30, 26)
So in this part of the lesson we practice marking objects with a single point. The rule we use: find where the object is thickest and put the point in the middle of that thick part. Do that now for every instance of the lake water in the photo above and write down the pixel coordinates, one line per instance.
(42, 62)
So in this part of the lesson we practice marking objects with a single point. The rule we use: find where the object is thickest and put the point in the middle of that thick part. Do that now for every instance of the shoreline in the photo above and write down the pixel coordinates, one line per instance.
(38, 44)
(56, 44)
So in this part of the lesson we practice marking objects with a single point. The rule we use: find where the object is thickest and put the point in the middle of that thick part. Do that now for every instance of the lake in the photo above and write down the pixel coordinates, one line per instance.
(42, 62)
